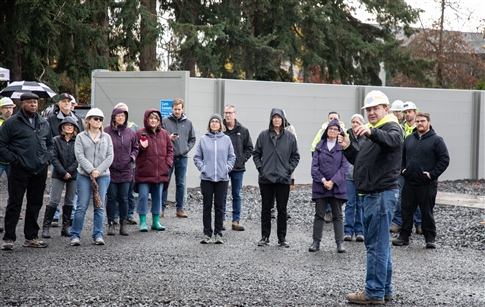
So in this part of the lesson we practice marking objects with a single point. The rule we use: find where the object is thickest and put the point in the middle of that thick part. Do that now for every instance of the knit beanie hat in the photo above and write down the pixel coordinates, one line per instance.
(215, 116)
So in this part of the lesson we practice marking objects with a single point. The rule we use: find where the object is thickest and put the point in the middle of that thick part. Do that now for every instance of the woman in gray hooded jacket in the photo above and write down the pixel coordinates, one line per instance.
(214, 158)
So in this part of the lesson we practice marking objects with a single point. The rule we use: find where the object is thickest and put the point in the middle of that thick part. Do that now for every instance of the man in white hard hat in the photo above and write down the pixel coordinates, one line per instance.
(396, 109)
(376, 171)
(6, 107)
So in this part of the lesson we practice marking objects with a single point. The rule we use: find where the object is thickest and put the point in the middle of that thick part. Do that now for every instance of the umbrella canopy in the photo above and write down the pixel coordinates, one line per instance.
(17, 88)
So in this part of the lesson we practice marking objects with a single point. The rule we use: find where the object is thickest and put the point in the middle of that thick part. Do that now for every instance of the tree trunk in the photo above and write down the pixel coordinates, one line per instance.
(148, 36)
(439, 67)
(16, 72)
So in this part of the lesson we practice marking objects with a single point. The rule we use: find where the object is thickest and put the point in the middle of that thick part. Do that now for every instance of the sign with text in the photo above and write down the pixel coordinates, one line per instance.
(165, 107)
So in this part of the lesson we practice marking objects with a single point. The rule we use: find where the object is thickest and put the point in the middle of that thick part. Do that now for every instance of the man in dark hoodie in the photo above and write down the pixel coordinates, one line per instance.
(275, 156)
(243, 148)
(25, 143)
(425, 158)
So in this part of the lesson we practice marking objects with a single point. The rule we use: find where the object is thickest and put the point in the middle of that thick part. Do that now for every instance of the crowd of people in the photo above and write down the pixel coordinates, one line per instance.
(385, 171)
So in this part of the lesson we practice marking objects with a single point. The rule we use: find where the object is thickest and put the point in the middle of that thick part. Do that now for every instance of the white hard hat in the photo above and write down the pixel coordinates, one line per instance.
(375, 98)
(396, 105)
(408, 105)
(95, 112)
(6, 102)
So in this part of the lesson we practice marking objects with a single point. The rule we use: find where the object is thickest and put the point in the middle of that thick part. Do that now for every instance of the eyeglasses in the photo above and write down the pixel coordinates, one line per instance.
(215, 122)
(333, 129)
(228, 113)
(98, 119)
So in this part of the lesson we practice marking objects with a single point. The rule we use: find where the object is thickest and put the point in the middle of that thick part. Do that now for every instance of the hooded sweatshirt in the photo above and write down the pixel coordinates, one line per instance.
(64, 158)
(275, 155)
(125, 148)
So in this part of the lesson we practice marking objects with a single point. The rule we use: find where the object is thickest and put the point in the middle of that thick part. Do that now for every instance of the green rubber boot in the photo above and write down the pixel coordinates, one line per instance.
(143, 223)
(156, 225)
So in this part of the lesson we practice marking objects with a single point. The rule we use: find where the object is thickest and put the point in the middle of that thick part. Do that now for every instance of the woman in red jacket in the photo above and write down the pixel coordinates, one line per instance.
(154, 160)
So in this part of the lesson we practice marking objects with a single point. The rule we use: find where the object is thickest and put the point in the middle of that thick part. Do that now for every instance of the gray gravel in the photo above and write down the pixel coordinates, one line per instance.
(171, 268)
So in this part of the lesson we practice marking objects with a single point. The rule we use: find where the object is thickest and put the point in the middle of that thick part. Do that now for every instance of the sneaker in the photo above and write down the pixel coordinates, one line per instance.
(98, 241)
(55, 223)
(419, 230)
(347, 238)
(388, 297)
(75, 242)
(283, 243)
(131, 220)
(206, 240)
(7, 245)
(400, 241)
(38, 243)
(181, 213)
(263, 242)
(431, 245)
(219, 240)
(359, 238)
(362, 299)
(237, 226)
(273, 213)
(328, 217)
(394, 228)
(224, 223)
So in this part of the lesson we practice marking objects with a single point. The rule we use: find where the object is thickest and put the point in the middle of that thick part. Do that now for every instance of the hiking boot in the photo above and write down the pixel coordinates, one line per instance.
(123, 230)
(181, 213)
(347, 238)
(419, 230)
(263, 242)
(219, 240)
(55, 223)
(7, 245)
(111, 229)
(237, 226)
(224, 223)
(283, 243)
(394, 229)
(362, 299)
(273, 213)
(206, 240)
(315, 246)
(359, 238)
(131, 220)
(37, 243)
(98, 241)
(400, 241)
(75, 242)
(328, 217)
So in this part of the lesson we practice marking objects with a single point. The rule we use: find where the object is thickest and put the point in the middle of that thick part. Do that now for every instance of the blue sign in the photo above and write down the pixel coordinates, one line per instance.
(165, 107)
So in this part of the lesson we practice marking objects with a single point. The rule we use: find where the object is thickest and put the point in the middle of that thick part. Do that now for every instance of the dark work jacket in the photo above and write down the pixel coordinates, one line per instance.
(64, 157)
(56, 118)
(20, 142)
(378, 162)
(426, 153)
(242, 143)
(275, 159)
(185, 129)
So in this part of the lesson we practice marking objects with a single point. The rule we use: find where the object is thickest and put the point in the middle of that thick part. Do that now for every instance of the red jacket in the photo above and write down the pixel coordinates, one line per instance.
(154, 162)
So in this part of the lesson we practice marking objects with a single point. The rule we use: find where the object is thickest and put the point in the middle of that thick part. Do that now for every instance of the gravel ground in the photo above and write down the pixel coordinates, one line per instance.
(171, 268)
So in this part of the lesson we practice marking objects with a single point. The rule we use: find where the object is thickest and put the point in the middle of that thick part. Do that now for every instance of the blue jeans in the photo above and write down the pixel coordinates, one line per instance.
(180, 166)
(378, 208)
(397, 217)
(236, 186)
(117, 198)
(353, 211)
(85, 194)
(153, 188)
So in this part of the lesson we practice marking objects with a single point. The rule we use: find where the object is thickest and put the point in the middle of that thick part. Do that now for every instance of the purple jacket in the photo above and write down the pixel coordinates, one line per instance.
(125, 149)
(331, 165)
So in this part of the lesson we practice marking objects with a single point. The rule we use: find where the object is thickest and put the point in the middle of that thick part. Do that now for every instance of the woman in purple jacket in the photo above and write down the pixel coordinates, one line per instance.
(329, 171)
(125, 149)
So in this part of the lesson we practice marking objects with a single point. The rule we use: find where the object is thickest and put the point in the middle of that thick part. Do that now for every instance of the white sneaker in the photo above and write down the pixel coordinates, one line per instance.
(75, 242)
(99, 241)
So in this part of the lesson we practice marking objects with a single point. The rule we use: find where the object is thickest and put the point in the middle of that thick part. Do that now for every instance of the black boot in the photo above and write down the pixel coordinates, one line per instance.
(123, 230)
(111, 229)
(48, 216)
(66, 216)
(315, 246)
(340, 248)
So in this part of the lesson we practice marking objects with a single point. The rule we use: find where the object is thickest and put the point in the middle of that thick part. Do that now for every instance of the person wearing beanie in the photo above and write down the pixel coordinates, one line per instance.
(275, 156)
(26, 143)
(214, 158)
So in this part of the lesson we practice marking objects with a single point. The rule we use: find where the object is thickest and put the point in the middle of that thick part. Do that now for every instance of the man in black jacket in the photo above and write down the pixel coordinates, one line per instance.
(26, 143)
(63, 109)
(276, 156)
(243, 148)
(425, 158)
(376, 170)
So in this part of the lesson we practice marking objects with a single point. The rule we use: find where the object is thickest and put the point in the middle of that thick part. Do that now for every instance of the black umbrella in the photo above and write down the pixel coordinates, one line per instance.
(17, 88)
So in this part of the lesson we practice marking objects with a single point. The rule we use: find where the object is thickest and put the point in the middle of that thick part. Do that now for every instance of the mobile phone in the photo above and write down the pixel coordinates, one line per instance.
(175, 133)
(143, 137)
(342, 133)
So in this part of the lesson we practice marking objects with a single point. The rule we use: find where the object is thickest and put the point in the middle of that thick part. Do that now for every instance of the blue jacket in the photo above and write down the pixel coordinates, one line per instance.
(214, 157)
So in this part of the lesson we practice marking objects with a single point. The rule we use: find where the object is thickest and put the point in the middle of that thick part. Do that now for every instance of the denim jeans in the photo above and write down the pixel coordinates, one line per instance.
(180, 166)
(117, 197)
(236, 186)
(85, 195)
(155, 189)
(378, 208)
(213, 192)
(353, 211)
(397, 217)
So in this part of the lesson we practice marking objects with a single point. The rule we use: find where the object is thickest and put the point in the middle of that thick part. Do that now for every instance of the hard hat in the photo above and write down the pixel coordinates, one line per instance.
(95, 112)
(408, 105)
(396, 105)
(6, 102)
(73, 100)
(375, 98)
